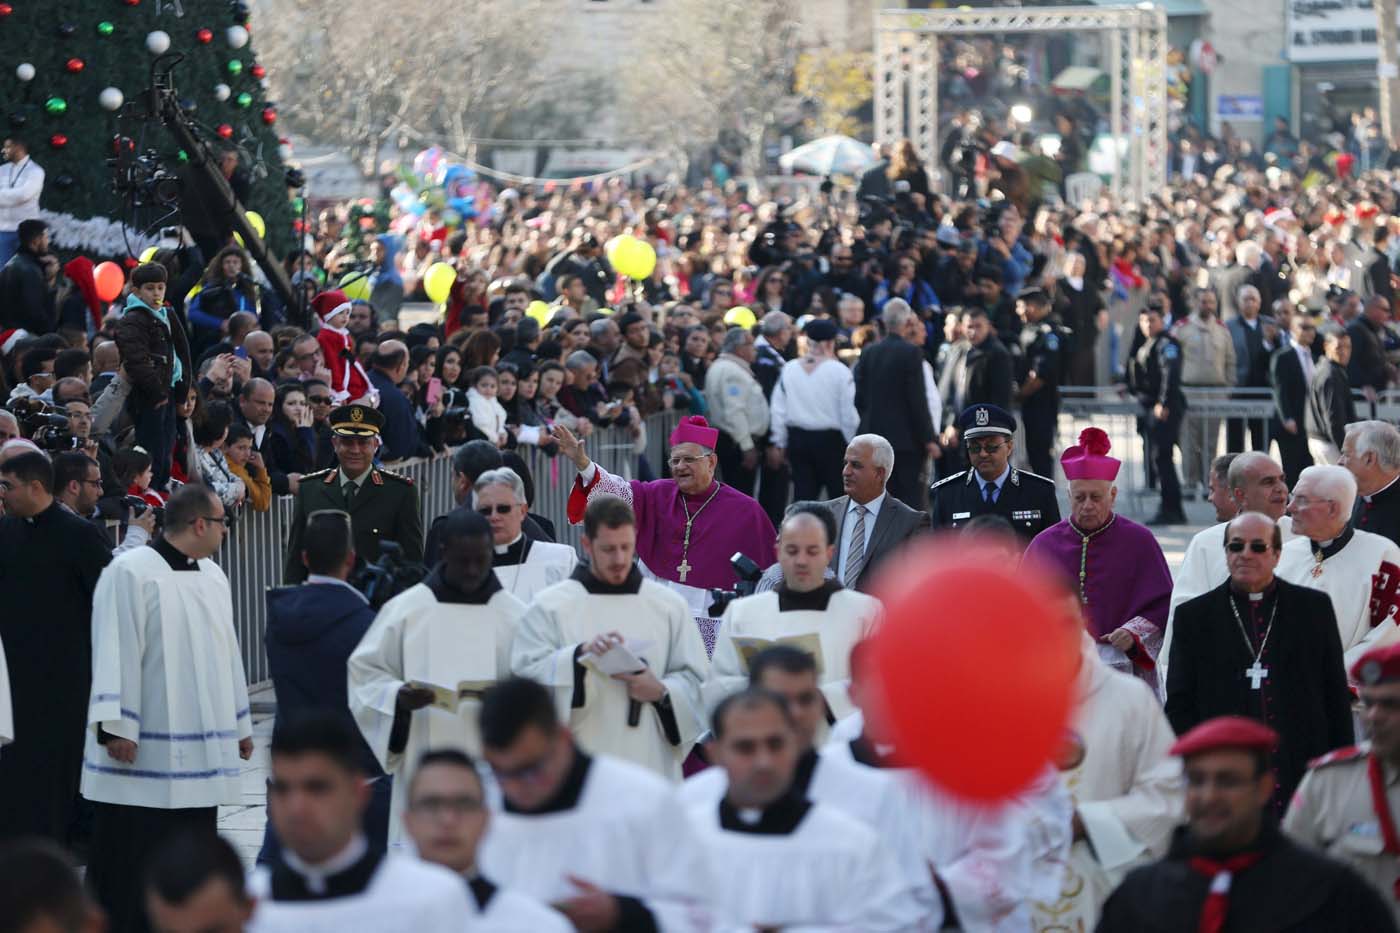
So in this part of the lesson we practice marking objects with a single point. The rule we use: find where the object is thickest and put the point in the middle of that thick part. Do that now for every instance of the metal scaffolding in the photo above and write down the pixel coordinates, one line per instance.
(906, 77)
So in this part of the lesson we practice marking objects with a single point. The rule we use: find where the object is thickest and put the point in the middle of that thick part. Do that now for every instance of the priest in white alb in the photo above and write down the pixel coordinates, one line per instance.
(688, 526)
(804, 606)
(1358, 569)
(418, 674)
(602, 841)
(1128, 792)
(575, 632)
(1256, 483)
(523, 565)
(168, 715)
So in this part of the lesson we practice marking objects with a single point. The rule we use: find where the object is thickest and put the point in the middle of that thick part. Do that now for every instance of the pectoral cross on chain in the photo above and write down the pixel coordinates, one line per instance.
(684, 568)
(1256, 674)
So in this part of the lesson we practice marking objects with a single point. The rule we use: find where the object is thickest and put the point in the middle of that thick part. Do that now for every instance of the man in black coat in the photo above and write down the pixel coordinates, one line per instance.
(985, 375)
(1230, 868)
(26, 300)
(1368, 369)
(890, 397)
(1290, 375)
(1264, 648)
(1371, 452)
(312, 629)
(1154, 377)
(50, 560)
(1330, 407)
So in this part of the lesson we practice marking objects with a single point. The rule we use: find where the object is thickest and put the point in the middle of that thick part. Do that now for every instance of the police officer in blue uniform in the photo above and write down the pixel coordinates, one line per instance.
(993, 486)
(1039, 363)
(1154, 378)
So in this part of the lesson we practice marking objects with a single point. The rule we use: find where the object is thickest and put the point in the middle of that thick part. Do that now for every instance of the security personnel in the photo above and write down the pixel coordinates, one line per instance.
(382, 505)
(993, 486)
(1154, 377)
(1039, 364)
(1347, 804)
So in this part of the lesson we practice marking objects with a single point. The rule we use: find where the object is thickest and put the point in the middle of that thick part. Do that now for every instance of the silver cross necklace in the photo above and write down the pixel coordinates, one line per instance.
(1256, 672)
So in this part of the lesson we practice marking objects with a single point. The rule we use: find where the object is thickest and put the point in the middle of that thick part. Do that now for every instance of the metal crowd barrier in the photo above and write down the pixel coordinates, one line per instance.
(254, 554)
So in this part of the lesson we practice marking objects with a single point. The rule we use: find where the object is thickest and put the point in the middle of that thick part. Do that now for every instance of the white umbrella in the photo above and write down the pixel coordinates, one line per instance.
(830, 155)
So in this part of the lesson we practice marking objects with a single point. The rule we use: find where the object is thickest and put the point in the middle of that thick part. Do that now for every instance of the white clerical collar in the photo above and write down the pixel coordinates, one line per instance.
(502, 548)
(315, 875)
(872, 507)
(1382, 489)
(749, 816)
(323, 578)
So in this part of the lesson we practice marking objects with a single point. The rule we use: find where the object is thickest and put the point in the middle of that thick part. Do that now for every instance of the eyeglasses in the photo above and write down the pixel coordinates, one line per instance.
(500, 509)
(1255, 547)
(988, 447)
(319, 399)
(685, 461)
(446, 806)
(1303, 502)
(225, 520)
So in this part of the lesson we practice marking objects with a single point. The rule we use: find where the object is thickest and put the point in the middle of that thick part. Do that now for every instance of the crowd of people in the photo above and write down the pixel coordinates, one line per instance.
(847, 371)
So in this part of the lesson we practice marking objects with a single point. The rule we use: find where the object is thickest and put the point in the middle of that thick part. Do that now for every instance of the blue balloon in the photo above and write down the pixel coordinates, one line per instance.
(464, 206)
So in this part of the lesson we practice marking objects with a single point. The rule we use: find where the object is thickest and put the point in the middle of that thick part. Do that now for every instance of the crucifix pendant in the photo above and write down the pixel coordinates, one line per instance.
(1256, 674)
(684, 568)
(1317, 569)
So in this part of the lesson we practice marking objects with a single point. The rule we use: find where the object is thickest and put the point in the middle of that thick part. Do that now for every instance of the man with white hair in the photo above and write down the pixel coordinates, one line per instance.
(523, 565)
(893, 403)
(738, 409)
(871, 522)
(1358, 569)
(1255, 339)
(1371, 452)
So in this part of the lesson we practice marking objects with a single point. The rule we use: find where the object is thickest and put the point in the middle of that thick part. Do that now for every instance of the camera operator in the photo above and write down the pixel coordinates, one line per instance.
(77, 485)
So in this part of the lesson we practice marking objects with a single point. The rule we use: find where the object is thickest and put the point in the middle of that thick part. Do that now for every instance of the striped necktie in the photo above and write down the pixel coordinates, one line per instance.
(855, 553)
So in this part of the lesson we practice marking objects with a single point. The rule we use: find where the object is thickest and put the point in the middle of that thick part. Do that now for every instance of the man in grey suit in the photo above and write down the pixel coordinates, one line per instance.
(870, 524)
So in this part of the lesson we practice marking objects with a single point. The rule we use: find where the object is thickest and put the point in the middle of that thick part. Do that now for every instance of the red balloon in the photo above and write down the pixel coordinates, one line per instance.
(109, 279)
(58, 140)
(225, 131)
(975, 667)
(205, 36)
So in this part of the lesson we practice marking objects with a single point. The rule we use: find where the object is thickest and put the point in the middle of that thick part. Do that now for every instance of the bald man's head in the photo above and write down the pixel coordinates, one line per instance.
(392, 359)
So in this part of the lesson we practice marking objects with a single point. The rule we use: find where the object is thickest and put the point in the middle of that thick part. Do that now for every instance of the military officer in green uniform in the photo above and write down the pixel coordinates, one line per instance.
(382, 505)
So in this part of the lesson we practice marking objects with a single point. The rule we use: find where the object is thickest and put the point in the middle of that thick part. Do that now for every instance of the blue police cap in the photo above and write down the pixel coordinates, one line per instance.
(977, 420)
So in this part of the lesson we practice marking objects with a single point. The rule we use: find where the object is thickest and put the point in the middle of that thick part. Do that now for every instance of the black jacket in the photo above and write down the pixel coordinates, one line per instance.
(1304, 697)
(1330, 406)
(312, 630)
(985, 376)
(1027, 500)
(25, 299)
(148, 351)
(890, 395)
(1367, 365)
(1290, 388)
(1380, 514)
(1154, 374)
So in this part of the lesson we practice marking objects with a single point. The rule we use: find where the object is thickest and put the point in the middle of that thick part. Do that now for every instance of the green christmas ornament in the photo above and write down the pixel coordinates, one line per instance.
(235, 67)
(105, 28)
(56, 106)
(245, 100)
(182, 155)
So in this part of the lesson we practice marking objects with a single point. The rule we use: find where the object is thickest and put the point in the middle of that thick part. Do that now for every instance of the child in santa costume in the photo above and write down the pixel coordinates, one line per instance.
(349, 381)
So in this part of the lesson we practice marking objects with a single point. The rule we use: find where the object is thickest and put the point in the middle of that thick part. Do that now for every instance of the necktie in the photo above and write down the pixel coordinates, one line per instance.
(349, 489)
(989, 493)
(855, 553)
(1221, 873)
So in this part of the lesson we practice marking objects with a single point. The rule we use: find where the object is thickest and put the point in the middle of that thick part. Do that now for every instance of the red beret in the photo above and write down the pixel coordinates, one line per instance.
(1377, 666)
(1226, 732)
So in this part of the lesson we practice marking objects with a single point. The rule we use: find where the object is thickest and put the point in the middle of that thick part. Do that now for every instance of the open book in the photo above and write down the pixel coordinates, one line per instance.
(619, 659)
(447, 698)
(749, 645)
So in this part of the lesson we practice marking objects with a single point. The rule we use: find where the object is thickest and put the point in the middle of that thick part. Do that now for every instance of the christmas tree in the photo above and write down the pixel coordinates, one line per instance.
(73, 74)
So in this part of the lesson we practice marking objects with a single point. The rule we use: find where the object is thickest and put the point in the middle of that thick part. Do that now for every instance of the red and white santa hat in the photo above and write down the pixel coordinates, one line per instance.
(328, 304)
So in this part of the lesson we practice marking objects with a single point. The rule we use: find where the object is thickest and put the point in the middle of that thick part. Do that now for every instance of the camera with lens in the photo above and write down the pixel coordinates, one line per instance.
(142, 175)
(44, 424)
(389, 576)
(748, 573)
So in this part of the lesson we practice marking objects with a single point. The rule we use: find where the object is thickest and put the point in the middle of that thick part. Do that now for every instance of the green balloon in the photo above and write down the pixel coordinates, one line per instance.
(245, 99)
(235, 67)
(105, 28)
(56, 105)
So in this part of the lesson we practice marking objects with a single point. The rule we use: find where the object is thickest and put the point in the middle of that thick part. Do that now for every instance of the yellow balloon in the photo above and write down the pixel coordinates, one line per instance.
(355, 285)
(740, 316)
(538, 311)
(256, 222)
(605, 312)
(148, 254)
(237, 239)
(633, 258)
(438, 282)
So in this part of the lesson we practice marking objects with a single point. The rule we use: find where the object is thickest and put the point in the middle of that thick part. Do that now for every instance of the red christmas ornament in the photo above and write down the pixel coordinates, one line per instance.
(269, 116)
(225, 131)
(6, 9)
(131, 2)
(205, 36)
(258, 71)
(73, 65)
(131, 262)
(58, 140)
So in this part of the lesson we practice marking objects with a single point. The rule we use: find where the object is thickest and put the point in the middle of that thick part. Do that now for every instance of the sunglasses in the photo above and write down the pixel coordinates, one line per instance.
(500, 510)
(320, 399)
(990, 447)
(1255, 547)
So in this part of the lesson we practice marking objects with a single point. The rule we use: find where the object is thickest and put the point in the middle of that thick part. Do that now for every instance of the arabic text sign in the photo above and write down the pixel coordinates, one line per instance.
(1331, 30)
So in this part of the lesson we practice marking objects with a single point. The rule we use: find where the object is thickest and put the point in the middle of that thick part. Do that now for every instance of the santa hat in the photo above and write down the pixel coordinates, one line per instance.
(328, 304)
(1334, 218)
(1226, 732)
(1366, 210)
(694, 429)
(1089, 458)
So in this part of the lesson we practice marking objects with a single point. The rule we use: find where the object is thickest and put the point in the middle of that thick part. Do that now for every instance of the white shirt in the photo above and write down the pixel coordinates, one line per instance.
(820, 399)
(1305, 359)
(872, 512)
(21, 183)
(258, 432)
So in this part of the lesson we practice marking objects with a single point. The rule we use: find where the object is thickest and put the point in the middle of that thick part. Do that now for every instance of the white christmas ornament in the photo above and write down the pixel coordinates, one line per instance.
(157, 42)
(111, 98)
(237, 37)
(25, 72)
(222, 91)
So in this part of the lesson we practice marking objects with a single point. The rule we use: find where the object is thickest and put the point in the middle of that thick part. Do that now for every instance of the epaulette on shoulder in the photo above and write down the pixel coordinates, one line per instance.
(1036, 476)
(326, 475)
(398, 477)
(948, 479)
(1337, 756)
